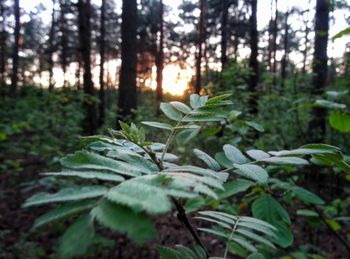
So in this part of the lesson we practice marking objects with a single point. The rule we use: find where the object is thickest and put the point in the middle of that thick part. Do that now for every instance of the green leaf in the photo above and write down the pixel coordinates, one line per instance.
(307, 213)
(329, 104)
(83, 160)
(340, 121)
(254, 172)
(196, 170)
(256, 256)
(168, 253)
(285, 160)
(232, 188)
(195, 100)
(63, 212)
(210, 162)
(301, 151)
(251, 235)
(170, 112)
(307, 196)
(186, 252)
(255, 126)
(234, 155)
(187, 135)
(321, 146)
(77, 238)
(66, 194)
(203, 117)
(268, 209)
(223, 160)
(342, 33)
(257, 154)
(181, 107)
(89, 175)
(158, 125)
(218, 99)
(122, 219)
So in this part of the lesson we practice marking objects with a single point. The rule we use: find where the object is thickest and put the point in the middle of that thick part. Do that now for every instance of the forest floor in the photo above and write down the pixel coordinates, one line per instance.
(16, 240)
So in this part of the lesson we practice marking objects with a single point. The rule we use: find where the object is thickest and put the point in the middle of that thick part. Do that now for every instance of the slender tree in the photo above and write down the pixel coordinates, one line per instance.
(160, 53)
(199, 46)
(224, 14)
(51, 46)
(253, 59)
(3, 45)
(127, 80)
(274, 46)
(84, 13)
(15, 56)
(286, 51)
(64, 39)
(317, 123)
(101, 109)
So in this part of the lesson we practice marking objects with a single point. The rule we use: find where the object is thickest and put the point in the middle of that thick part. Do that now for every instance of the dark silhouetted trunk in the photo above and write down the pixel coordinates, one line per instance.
(269, 54)
(199, 47)
(15, 57)
(286, 52)
(224, 4)
(160, 54)
(64, 40)
(253, 60)
(3, 45)
(84, 9)
(305, 52)
(51, 46)
(101, 107)
(127, 80)
(317, 123)
(274, 47)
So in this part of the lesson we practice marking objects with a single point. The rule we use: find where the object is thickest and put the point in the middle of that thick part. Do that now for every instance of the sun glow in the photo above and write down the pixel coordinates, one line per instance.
(175, 79)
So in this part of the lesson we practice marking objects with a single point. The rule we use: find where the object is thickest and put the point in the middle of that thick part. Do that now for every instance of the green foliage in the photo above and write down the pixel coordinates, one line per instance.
(122, 180)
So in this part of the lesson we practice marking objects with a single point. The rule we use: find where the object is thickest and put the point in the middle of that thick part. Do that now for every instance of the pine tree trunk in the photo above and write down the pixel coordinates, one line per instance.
(127, 81)
(64, 40)
(286, 52)
(274, 48)
(160, 54)
(102, 61)
(84, 9)
(15, 57)
(51, 46)
(224, 11)
(317, 123)
(253, 60)
(199, 47)
(3, 46)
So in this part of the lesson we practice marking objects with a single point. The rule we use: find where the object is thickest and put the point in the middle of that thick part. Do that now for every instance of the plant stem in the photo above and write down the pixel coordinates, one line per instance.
(181, 215)
(233, 231)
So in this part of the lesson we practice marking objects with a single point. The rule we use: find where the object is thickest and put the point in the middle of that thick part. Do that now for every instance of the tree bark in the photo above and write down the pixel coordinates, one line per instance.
(199, 47)
(64, 40)
(160, 54)
(253, 60)
(84, 10)
(101, 117)
(127, 80)
(317, 123)
(3, 46)
(286, 52)
(274, 47)
(51, 46)
(15, 57)
(224, 13)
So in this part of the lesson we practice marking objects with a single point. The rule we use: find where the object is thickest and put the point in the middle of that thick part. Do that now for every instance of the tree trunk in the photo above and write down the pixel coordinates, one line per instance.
(253, 60)
(51, 46)
(199, 47)
(84, 9)
(3, 46)
(127, 80)
(224, 11)
(286, 52)
(64, 41)
(160, 54)
(317, 123)
(15, 57)
(101, 107)
(274, 48)
(305, 52)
